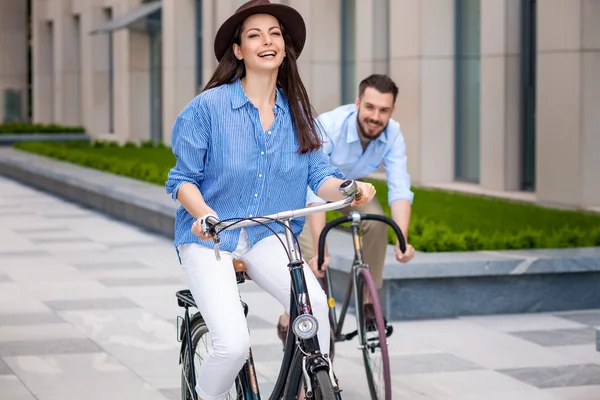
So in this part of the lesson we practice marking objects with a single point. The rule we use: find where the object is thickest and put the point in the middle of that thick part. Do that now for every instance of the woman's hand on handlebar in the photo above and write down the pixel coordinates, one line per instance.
(407, 255)
(197, 228)
(366, 194)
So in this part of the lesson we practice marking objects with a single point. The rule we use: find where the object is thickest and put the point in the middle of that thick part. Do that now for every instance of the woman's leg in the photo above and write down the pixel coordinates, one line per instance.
(214, 287)
(267, 266)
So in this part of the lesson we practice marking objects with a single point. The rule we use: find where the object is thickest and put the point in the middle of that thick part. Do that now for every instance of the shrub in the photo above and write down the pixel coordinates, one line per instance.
(23, 127)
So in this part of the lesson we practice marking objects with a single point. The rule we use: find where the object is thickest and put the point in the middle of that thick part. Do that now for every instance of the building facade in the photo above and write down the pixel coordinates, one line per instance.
(494, 98)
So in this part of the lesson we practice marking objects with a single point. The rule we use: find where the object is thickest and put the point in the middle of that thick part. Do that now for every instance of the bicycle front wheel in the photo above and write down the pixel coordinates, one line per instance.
(201, 345)
(373, 340)
(322, 386)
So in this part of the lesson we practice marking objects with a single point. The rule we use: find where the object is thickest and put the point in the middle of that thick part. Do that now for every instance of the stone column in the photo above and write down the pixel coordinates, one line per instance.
(94, 70)
(66, 58)
(13, 51)
(567, 103)
(500, 146)
(179, 59)
(43, 65)
(320, 61)
(422, 65)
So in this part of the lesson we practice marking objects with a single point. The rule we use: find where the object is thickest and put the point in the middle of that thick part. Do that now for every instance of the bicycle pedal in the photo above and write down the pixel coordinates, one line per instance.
(389, 330)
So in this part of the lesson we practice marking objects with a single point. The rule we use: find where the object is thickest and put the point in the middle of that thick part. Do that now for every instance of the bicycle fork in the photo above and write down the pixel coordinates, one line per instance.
(305, 325)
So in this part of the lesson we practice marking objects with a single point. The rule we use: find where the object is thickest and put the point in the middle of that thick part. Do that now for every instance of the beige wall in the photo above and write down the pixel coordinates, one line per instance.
(13, 51)
(500, 146)
(568, 100)
(421, 63)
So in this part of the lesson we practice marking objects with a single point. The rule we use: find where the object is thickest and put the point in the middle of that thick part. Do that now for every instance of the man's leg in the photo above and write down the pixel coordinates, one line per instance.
(374, 241)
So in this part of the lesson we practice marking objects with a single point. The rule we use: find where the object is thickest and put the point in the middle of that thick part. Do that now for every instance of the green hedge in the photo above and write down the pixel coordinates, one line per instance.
(441, 220)
(22, 127)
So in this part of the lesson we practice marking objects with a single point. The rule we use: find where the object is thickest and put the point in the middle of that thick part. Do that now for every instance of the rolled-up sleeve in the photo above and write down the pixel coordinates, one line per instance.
(319, 170)
(398, 179)
(190, 140)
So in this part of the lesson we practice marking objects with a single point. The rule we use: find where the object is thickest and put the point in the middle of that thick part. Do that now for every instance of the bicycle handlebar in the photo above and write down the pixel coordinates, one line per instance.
(210, 223)
(348, 218)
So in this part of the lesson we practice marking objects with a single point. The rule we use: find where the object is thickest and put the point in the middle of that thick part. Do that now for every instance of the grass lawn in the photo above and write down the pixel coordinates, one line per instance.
(441, 220)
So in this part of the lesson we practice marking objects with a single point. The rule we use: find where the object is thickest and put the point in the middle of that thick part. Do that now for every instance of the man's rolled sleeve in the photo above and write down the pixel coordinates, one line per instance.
(190, 137)
(398, 179)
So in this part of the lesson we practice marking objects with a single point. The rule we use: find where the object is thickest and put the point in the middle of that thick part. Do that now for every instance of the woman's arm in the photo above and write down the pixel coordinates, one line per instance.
(329, 191)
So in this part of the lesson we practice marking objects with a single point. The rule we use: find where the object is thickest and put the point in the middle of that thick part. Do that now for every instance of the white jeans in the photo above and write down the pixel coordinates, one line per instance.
(214, 287)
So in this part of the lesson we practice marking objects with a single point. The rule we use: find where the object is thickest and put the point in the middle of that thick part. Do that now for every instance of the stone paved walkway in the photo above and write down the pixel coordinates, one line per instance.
(87, 311)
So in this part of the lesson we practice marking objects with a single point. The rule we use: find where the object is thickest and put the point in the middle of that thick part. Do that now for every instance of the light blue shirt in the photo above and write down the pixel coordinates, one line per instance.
(343, 149)
(241, 169)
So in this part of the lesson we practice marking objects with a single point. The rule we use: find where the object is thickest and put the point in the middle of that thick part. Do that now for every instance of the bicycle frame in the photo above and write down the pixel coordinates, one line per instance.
(354, 218)
(338, 325)
(312, 358)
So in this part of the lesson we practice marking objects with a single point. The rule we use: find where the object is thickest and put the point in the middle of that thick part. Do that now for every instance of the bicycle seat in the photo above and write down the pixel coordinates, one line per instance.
(239, 266)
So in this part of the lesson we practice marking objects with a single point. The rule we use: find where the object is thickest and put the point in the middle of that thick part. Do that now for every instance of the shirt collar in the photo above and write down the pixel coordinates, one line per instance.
(352, 130)
(239, 98)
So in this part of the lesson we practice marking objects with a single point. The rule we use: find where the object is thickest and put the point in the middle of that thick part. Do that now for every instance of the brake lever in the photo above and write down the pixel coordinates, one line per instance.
(207, 227)
(217, 240)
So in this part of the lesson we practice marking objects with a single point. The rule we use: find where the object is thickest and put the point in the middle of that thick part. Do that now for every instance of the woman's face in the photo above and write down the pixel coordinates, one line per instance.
(262, 46)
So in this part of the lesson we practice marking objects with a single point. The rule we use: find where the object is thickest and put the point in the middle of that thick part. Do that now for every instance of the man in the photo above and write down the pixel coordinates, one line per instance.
(357, 138)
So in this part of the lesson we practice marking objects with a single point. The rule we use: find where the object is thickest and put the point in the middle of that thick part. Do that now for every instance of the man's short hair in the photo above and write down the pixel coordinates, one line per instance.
(381, 83)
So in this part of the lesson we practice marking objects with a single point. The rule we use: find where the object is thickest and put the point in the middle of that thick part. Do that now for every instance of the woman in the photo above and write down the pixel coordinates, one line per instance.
(246, 146)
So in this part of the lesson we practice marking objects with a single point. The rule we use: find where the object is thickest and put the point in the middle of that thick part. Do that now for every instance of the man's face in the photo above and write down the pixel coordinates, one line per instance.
(374, 112)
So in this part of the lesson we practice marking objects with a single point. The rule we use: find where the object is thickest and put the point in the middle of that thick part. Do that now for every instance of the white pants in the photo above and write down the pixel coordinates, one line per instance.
(214, 287)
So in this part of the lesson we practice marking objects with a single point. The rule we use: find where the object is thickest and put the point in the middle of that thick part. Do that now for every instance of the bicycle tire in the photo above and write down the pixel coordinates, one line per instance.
(322, 386)
(198, 330)
(294, 379)
(364, 279)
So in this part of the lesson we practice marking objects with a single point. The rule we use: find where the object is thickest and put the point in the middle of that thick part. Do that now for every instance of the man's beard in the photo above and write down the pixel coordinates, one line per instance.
(362, 132)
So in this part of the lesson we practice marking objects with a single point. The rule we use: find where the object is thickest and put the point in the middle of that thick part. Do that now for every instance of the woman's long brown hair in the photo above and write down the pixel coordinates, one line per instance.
(288, 79)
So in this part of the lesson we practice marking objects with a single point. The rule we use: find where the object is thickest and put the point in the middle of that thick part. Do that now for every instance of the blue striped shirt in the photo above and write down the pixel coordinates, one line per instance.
(241, 169)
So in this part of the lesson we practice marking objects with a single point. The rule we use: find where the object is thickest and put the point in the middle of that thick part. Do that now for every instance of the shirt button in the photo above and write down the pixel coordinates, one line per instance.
(255, 194)
(269, 132)
(262, 153)
(260, 175)
(250, 215)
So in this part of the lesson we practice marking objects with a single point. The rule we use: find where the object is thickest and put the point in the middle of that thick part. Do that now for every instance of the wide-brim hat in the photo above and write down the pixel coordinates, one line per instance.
(288, 17)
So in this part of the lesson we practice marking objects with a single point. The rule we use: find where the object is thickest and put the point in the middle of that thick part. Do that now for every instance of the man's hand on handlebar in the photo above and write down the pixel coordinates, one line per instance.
(315, 267)
(407, 255)
(366, 194)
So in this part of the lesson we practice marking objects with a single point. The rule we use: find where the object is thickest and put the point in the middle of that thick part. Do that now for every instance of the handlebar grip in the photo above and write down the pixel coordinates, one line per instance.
(328, 226)
(359, 195)
(391, 223)
(208, 223)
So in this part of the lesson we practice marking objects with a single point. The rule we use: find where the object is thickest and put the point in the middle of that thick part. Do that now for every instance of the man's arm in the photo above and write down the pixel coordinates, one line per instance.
(400, 196)
(401, 210)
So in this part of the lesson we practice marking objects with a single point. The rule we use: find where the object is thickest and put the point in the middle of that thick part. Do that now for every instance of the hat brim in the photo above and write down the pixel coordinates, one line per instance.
(288, 17)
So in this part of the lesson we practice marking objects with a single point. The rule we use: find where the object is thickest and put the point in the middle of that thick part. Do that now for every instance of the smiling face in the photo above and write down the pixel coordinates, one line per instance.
(262, 47)
(374, 112)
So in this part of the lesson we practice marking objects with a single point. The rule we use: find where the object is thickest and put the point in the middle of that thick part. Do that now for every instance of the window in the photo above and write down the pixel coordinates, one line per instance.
(111, 75)
(199, 45)
(381, 37)
(348, 14)
(467, 79)
(528, 61)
